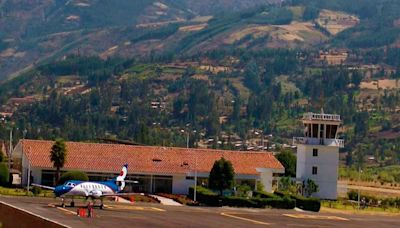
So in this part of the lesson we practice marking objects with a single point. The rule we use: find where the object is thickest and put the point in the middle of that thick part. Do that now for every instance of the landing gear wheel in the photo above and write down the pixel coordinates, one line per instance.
(72, 204)
(62, 202)
(101, 206)
(63, 205)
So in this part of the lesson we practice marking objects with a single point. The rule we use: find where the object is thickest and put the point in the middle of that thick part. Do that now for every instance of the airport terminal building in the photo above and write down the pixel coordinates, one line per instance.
(157, 169)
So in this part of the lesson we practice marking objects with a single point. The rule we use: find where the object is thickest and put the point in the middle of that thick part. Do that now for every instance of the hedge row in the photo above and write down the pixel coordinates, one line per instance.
(309, 204)
(205, 196)
(209, 198)
(266, 195)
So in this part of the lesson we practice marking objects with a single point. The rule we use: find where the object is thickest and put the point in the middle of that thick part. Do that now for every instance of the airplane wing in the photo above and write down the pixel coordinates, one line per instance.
(43, 186)
(121, 194)
(126, 181)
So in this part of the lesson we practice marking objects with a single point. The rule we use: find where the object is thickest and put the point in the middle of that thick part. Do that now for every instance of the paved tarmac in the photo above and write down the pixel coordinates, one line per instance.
(156, 215)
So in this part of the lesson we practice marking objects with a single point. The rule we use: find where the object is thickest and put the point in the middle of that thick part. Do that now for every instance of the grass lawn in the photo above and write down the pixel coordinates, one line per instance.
(340, 205)
(22, 192)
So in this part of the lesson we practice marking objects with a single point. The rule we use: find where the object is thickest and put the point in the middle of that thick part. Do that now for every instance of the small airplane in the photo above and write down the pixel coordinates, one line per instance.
(89, 189)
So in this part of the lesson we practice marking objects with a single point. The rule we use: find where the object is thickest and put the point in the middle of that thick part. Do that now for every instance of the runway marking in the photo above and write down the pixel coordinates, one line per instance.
(303, 225)
(320, 217)
(66, 210)
(245, 219)
(137, 208)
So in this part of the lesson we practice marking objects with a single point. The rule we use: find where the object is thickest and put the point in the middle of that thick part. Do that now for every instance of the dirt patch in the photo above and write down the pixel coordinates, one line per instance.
(255, 31)
(10, 52)
(238, 84)
(200, 77)
(109, 52)
(191, 28)
(381, 84)
(215, 69)
(336, 22)
(391, 134)
(202, 19)
(298, 31)
(396, 23)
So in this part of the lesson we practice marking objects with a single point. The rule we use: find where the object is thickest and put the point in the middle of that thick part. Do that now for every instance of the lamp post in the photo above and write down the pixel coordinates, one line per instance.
(195, 167)
(359, 192)
(29, 170)
(10, 150)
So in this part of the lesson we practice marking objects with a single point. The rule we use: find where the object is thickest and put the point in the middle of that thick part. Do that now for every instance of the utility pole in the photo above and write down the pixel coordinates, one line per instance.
(10, 150)
(195, 180)
(359, 192)
(195, 166)
(29, 170)
(187, 140)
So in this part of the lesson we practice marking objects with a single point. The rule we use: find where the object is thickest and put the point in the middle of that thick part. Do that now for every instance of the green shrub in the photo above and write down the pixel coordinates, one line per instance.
(262, 194)
(205, 196)
(1, 156)
(277, 202)
(239, 202)
(262, 200)
(280, 194)
(281, 203)
(352, 195)
(308, 204)
(36, 190)
(73, 175)
(243, 190)
(4, 174)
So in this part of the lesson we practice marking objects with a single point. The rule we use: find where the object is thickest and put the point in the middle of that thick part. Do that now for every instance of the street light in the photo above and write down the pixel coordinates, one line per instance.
(195, 167)
(29, 169)
(359, 179)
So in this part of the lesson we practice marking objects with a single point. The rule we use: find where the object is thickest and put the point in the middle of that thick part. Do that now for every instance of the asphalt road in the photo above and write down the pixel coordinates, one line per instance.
(155, 215)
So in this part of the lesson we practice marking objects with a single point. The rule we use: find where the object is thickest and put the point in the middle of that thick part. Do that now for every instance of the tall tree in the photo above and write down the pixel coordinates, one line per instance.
(288, 160)
(58, 155)
(311, 187)
(221, 175)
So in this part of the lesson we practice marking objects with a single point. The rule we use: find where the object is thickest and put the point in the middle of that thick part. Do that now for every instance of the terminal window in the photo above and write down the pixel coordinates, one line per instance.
(314, 170)
(315, 152)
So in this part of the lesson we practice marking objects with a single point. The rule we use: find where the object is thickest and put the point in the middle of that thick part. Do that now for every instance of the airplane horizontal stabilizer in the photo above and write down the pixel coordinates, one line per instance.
(43, 186)
(120, 194)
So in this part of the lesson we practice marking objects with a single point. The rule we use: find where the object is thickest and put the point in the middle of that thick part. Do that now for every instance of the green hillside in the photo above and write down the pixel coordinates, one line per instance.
(33, 34)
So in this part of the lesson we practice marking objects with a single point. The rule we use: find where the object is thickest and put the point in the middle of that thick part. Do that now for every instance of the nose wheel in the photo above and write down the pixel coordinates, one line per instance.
(101, 204)
(62, 202)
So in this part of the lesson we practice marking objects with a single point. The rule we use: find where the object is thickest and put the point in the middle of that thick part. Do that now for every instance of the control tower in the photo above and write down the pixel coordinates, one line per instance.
(318, 153)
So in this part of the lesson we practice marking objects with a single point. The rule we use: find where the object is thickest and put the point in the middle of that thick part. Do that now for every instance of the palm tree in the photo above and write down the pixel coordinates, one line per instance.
(58, 155)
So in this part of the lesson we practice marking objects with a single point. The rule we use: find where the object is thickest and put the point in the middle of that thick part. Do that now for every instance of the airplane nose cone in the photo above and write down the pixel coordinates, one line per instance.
(61, 190)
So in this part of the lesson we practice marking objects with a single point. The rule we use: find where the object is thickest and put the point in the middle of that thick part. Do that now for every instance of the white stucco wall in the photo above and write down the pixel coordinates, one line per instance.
(180, 185)
(266, 177)
(266, 180)
(327, 162)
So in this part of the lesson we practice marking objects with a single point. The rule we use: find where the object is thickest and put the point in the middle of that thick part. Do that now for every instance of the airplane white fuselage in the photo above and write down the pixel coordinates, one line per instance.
(91, 189)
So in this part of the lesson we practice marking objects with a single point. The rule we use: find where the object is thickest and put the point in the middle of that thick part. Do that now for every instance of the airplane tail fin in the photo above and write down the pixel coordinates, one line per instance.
(120, 180)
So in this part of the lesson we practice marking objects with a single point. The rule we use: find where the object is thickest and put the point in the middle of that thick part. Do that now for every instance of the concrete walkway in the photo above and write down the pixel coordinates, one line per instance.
(166, 201)
(121, 200)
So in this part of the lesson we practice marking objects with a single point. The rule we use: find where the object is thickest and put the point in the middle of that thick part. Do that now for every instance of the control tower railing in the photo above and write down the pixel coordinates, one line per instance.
(315, 141)
(319, 116)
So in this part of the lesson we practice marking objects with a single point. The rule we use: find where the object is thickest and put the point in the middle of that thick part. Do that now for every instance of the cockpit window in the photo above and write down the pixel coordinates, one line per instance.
(69, 184)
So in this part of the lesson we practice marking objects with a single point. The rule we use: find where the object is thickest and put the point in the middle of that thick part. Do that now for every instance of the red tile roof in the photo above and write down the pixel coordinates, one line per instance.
(145, 159)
